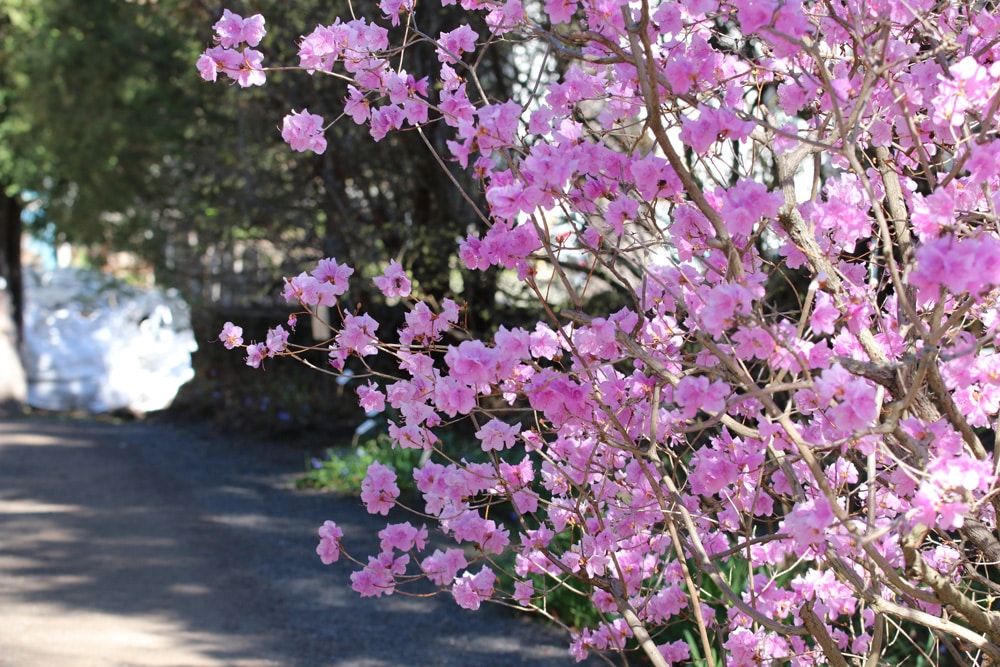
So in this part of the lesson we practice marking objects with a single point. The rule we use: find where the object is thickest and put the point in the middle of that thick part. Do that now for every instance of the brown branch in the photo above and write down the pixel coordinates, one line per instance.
(981, 620)
(819, 631)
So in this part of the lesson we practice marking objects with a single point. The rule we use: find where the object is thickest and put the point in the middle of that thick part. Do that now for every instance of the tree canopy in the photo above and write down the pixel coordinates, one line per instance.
(104, 123)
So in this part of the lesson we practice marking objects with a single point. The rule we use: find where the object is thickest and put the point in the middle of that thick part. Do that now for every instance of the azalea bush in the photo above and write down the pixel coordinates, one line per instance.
(781, 440)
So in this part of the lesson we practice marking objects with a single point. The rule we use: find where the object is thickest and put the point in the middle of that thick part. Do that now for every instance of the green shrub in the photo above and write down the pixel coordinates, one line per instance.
(344, 468)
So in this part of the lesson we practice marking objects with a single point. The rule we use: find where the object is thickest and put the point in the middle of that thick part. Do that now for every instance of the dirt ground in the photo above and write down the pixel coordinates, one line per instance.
(147, 544)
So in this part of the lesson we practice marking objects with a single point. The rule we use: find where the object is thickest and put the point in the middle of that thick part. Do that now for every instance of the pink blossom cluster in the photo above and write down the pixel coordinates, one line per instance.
(303, 131)
(796, 203)
(234, 56)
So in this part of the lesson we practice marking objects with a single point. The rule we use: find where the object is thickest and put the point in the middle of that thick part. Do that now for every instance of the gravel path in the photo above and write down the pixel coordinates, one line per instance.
(144, 544)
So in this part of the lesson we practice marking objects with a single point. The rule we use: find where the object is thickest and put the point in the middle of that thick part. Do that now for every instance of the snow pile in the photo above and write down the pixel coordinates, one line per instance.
(97, 344)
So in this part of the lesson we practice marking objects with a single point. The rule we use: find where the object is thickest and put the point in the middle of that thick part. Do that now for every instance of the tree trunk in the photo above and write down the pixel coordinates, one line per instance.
(10, 258)
(13, 385)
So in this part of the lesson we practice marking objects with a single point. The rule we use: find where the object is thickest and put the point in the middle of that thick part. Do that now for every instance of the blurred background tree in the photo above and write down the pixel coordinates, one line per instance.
(124, 153)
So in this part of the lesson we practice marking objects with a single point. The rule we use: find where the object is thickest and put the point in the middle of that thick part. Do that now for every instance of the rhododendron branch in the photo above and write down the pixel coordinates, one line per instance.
(709, 568)
(890, 574)
(903, 241)
(791, 220)
(979, 534)
(747, 543)
(894, 200)
(766, 398)
(943, 399)
(878, 637)
(909, 118)
(819, 631)
(981, 620)
(451, 177)
(642, 636)
(953, 323)
(642, 60)
(713, 573)
(693, 591)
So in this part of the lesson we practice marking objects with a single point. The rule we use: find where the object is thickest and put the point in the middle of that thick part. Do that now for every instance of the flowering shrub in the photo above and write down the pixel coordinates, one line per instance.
(784, 439)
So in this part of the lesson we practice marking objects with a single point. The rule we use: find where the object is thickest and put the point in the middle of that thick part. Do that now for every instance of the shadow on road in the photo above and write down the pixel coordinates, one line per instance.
(143, 544)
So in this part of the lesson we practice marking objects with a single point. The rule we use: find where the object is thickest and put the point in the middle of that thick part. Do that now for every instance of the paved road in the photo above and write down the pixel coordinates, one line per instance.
(148, 545)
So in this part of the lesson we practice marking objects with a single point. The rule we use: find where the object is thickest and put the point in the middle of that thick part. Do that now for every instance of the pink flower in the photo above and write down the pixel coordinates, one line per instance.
(525, 502)
(393, 8)
(370, 398)
(544, 342)
(560, 11)
(358, 334)
(251, 70)
(473, 363)
(384, 119)
(454, 397)
(746, 648)
(753, 343)
(301, 288)
(807, 524)
(968, 86)
(453, 44)
(498, 125)
(507, 200)
(336, 275)
(722, 304)
(497, 435)
(472, 590)
(232, 29)
(321, 48)
(506, 16)
(559, 397)
(277, 340)
(413, 436)
(753, 15)
(978, 403)
(448, 317)
(932, 506)
(393, 282)
(231, 335)
(403, 537)
(456, 107)
(303, 131)
(824, 314)
(523, 592)
(255, 354)
(442, 568)
(379, 490)
(357, 106)
(219, 59)
(329, 542)
(379, 576)
(208, 69)
(935, 212)
(713, 471)
(970, 265)
(697, 392)
(470, 527)
(620, 211)
(747, 202)
(710, 126)
(676, 652)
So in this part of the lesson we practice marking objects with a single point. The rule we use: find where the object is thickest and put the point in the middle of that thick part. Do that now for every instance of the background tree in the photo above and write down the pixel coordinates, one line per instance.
(101, 123)
(106, 129)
